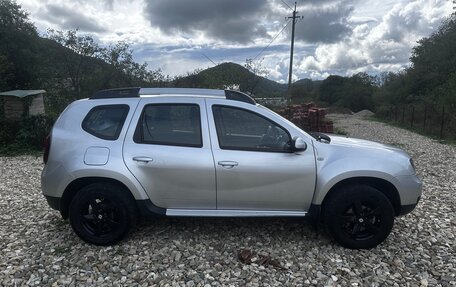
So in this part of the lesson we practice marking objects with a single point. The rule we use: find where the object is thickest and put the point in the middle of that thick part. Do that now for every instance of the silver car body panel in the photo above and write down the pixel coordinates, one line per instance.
(262, 180)
(70, 144)
(188, 181)
(178, 176)
(346, 158)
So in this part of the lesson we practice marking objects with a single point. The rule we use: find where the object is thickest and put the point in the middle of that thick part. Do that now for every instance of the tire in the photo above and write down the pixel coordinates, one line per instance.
(359, 216)
(102, 213)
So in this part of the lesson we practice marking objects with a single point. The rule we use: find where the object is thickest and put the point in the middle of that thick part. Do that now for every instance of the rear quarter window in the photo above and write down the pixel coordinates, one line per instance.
(106, 121)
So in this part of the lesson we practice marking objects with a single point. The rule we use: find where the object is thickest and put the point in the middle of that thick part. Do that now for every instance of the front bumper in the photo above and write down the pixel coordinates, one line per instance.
(54, 202)
(410, 189)
(408, 208)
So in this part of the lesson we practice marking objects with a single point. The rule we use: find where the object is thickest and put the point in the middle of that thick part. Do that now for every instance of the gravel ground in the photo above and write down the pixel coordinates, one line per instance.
(38, 248)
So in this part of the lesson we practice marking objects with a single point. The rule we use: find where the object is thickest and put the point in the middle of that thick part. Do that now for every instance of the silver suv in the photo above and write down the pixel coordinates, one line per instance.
(127, 153)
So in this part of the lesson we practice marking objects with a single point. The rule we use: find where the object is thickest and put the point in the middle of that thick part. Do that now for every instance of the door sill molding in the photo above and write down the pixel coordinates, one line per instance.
(233, 213)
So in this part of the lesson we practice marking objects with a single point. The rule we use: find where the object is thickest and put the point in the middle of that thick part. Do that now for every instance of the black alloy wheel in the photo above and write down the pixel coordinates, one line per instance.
(361, 220)
(102, 214)
(359, 216)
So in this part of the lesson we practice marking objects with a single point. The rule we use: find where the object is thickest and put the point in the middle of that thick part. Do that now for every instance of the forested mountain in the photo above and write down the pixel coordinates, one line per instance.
(231, 74)
(67, 65)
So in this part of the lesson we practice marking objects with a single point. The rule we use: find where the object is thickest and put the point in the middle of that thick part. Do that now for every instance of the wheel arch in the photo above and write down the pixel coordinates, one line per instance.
(382, 185)
(78, 184)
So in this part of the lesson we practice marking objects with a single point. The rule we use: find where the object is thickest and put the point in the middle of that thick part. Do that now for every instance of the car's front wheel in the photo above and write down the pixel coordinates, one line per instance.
(359, 216)
(102, 213)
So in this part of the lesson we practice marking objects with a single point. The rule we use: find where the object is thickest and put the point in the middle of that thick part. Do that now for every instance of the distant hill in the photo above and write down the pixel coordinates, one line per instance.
(308, 82)
(227, 74)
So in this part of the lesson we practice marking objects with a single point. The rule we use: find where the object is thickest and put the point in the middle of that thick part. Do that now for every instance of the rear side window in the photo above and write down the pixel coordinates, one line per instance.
(105, 122)
(170, 124)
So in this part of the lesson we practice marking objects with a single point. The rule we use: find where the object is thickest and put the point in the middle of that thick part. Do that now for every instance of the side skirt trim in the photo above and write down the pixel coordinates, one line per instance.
(234, 213)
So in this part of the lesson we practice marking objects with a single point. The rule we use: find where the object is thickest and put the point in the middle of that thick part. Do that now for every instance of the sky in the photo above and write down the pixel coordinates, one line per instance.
(340, 37)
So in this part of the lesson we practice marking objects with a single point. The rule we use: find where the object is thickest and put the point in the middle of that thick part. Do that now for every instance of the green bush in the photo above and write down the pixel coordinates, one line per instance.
(8, 131)
(33, 131)
(24, 135)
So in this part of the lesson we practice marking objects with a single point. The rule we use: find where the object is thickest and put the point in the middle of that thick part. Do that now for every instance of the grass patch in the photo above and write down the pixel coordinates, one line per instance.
(339, 131)
(17, 150)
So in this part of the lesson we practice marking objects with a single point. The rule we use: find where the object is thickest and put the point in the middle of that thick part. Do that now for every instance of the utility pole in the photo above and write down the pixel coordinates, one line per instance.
(290, 72)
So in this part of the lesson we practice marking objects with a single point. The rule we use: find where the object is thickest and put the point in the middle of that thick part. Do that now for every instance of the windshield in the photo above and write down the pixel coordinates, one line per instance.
(290, 123)
(316, 135)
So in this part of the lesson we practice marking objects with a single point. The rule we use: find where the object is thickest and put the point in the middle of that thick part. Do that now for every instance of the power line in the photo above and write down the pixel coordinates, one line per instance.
(287, 5)
(207, 57)
(273, 39)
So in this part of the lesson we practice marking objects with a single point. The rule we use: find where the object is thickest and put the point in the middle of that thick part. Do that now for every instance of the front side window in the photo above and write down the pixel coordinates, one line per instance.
(241, 129)
(106, 121)
(171, 124)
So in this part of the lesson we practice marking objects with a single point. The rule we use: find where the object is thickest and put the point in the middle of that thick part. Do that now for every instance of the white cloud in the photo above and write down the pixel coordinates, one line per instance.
(348, 36)
(275, 74)
(380, 46)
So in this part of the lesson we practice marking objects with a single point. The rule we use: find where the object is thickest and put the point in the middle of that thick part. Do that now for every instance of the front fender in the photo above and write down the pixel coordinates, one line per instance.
(330, 174)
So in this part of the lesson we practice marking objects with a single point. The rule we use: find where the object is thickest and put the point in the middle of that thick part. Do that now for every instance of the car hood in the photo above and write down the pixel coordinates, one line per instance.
(357, 154)
(364, 144)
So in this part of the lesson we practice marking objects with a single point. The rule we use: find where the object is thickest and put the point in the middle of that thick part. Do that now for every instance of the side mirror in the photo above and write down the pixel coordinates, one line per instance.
(298, 144)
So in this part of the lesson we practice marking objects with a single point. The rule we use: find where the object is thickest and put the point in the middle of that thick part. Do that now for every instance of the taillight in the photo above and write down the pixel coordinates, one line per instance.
(46, 148)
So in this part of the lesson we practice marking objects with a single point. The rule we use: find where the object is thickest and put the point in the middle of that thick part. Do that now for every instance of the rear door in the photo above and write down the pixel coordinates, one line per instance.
(255, 169)
(167, 149)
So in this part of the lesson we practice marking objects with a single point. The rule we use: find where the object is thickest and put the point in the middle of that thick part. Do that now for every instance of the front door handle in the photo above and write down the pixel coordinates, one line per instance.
(228, 164)
(143, 159)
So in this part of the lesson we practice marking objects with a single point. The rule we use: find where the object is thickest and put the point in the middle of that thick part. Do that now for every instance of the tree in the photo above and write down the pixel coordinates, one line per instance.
(76, 57)
(258, 73)
(354, 92)
(18, 43)
(304, 90)
(331, 89)
(119, 57)
(357, 92)
(6, 73)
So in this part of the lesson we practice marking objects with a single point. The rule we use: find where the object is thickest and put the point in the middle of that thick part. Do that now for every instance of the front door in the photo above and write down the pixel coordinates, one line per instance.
(169, 152)
(255, 168)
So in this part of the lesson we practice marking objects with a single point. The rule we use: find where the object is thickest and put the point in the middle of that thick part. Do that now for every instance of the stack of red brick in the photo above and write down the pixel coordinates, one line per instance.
(308, 117)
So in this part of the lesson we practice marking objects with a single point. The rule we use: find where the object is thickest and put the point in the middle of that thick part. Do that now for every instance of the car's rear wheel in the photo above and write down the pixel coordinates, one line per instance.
(102, 213)
(359, 216)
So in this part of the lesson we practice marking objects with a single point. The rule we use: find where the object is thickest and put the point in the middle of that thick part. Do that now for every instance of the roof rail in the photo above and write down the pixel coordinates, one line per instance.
(116, 93)
(181, 91)
(136, 92)
(239, 96)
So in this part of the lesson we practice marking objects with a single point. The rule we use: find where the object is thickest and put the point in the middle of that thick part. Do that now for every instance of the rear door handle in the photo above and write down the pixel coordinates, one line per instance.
(143, 159)
(228, 164)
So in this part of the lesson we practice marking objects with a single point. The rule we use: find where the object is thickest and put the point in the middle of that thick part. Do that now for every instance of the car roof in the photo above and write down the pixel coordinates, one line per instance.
(140, 92)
